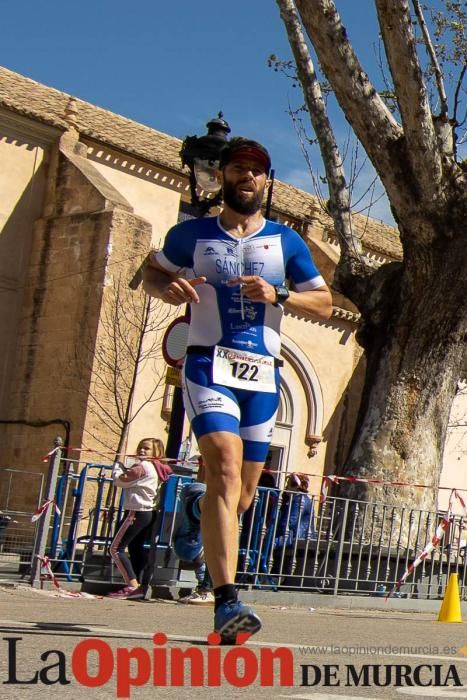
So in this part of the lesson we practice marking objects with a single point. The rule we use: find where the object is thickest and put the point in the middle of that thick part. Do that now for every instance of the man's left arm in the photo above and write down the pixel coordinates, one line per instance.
(309, 295)
(312, 303)
(315, 303)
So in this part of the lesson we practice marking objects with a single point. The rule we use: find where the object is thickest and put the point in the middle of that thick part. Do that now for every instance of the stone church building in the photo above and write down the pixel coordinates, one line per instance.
(85, 195)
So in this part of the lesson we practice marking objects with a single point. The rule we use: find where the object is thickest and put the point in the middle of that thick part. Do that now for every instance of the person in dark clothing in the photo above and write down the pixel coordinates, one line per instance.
(295, 522)
(296, 511)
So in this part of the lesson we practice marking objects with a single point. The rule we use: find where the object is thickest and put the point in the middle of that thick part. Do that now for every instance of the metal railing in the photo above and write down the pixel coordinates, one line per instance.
(350, 547)
(17, 532)
(287, 540)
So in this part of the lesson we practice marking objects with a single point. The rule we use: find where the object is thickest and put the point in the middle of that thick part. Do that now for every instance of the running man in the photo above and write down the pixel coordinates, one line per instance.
(235, 270)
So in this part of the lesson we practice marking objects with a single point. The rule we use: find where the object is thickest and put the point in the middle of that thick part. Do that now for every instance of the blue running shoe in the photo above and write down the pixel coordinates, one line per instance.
(235, 617)
(188, 545)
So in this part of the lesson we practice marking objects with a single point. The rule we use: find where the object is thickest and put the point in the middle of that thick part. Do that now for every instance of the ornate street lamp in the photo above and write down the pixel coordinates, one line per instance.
(201, 154)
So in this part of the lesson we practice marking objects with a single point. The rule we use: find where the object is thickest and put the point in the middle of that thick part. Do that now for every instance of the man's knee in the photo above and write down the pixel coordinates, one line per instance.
(223, 468)
(224, 480)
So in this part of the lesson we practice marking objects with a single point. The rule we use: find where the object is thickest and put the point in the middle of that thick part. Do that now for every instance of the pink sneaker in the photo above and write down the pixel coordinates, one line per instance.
(122, 593)
(137, 593)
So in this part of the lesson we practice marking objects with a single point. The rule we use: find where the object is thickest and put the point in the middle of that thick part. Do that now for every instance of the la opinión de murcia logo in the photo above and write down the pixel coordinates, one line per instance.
(94, 664)
(129, 668)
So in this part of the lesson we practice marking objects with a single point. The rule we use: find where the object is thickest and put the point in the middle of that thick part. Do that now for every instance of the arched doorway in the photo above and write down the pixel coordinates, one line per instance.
(299, 419)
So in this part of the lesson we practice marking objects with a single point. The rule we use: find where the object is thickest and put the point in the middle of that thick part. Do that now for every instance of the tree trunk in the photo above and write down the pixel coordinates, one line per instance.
(413, 337)
(414, 313)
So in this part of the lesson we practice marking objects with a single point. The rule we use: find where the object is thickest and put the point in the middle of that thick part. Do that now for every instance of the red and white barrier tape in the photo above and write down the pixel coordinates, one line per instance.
(333, 479)
(434, 542)
(112, 455)
(63, 448)
(43, 508)
(326, 480)
(45, 565)
(46, 571)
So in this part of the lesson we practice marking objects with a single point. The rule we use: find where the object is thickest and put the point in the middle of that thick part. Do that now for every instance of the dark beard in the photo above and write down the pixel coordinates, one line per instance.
(241, 206)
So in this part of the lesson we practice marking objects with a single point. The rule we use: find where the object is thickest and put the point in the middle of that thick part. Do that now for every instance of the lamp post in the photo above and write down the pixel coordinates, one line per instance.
(201, 154)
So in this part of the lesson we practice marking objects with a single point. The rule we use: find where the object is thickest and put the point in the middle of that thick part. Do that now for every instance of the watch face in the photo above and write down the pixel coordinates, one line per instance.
(282, 292)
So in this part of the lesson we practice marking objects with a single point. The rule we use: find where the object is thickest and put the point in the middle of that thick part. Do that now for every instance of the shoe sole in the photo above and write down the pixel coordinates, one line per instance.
(120, 597)
(117, 597)
(247, 624)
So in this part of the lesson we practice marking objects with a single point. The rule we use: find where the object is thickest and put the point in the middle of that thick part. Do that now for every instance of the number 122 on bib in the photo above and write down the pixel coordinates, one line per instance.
(243, 370)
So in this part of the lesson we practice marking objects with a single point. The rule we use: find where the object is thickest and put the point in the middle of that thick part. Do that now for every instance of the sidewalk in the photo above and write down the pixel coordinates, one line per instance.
(355, 650)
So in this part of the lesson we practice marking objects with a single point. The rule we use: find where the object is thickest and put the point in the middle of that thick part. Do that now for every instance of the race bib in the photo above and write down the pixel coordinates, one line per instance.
(243, 370)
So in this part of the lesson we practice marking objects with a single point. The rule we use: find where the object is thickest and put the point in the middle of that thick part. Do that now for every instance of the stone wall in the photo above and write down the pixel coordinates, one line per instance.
(22, 182)
(75, 249)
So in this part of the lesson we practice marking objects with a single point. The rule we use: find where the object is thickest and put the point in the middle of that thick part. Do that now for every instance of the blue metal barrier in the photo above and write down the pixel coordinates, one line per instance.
(64, 551)
(348, 546)
(169, 506)
(270, 531)
(104, 519)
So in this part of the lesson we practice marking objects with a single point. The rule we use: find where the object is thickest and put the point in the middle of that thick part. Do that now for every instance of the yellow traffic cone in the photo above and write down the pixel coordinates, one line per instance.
(450, 610)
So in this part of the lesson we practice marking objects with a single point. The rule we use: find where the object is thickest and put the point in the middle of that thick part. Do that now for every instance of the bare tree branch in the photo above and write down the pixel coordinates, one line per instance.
(419, 132)
(433, 58)
(339, 201)
(456, 99)
(413, 310)
(372, 121)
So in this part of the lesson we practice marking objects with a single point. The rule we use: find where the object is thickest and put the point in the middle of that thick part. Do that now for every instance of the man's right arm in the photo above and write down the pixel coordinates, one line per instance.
(169, 287)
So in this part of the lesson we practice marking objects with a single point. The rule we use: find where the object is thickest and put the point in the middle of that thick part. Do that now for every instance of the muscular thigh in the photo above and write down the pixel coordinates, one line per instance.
(222, 455)
(210, 407)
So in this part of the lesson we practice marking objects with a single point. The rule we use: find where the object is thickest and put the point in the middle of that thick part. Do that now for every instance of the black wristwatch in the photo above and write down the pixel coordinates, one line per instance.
(282, 293)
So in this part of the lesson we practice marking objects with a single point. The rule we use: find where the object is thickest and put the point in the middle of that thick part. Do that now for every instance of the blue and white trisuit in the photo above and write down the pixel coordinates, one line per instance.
(230, 374)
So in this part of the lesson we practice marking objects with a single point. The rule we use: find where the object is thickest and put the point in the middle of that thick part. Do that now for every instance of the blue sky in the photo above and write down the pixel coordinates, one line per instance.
(174, 65)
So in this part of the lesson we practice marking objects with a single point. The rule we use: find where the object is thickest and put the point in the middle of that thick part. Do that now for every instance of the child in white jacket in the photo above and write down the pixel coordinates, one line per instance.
(141, 483)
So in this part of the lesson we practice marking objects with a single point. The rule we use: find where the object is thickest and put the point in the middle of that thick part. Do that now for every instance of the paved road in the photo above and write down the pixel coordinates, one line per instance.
(349, 653)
